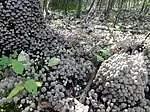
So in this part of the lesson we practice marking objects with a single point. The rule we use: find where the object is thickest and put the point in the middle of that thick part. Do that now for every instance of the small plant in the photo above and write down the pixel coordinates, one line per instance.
(15, 91)
(30, 85)
(53, 62)
(100, 54)
(17, 66)
(4, 62)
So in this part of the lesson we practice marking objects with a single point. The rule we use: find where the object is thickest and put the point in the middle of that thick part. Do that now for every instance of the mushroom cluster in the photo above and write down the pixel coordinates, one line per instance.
(23, 28)
(119, 85)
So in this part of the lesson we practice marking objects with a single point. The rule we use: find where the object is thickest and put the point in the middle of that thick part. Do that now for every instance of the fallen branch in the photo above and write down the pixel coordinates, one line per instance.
(87, 88)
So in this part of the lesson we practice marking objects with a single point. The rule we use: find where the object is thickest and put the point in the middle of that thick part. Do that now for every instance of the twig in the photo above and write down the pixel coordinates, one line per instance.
(146, 38)
(87, 88)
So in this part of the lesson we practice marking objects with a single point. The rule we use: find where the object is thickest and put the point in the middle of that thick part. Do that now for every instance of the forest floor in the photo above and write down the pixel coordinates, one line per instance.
(90, 32)
(95, 31)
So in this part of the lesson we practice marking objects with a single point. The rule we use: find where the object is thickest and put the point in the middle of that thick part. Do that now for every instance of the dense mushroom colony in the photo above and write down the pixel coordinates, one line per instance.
(23, 28)
(118, 86)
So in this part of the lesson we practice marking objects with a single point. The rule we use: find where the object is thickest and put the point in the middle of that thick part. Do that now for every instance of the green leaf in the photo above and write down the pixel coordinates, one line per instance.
(105, 52)
(98, 57)
(5, 61)
(53, 62)
(23, 57)
(16, 90)
(1, 63)
(15, 54)
(39, 84)
(31, 86)
(98, 48)
(17, 66)
(1, 68)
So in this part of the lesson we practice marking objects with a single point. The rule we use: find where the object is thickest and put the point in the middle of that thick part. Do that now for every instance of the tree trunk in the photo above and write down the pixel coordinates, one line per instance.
(45, 5)
(79, 5)
(91, 6)
(97, 4)
(143, 5)
(109, 7)
(66, 6)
